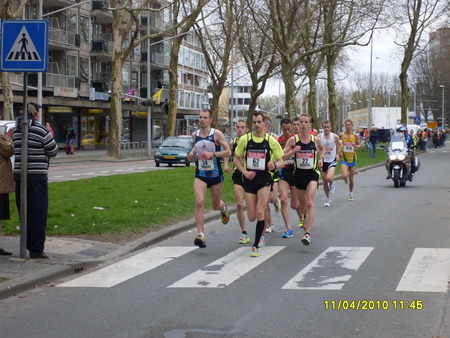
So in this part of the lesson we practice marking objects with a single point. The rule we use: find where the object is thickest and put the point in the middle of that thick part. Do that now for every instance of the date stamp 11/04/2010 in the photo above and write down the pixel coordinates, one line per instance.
(362, 304)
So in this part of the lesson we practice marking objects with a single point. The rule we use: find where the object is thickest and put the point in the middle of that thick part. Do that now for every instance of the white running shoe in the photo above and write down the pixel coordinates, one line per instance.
(327, 203)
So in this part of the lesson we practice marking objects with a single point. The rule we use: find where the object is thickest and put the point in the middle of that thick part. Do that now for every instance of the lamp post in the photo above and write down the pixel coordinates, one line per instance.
(443, 101)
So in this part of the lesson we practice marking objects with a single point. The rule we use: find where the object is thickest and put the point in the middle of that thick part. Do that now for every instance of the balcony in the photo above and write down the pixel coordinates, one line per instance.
(158, 60)
(100, 11)
(156, 24)
(60, 39)
(55, 80)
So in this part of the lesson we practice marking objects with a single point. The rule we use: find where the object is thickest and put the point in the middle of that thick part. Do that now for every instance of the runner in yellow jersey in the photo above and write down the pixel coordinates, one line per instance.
(350, 141)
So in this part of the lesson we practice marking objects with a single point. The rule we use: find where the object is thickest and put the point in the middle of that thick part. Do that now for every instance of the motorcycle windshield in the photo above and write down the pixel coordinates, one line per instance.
(398, 142)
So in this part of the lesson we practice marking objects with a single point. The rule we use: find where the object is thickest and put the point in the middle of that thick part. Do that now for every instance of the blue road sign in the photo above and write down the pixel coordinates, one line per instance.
(417, 120)
(24, 46)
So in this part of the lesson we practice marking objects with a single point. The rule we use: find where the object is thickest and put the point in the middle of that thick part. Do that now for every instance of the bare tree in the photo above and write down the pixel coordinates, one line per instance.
(184, 15)
(420, 14)
(9, 10)
(260, 60)
(345, 23)
(218, 48)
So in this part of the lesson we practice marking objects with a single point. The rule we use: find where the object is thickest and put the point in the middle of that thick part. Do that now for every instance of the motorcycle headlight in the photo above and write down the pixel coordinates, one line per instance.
(392, 157)
(401, 157)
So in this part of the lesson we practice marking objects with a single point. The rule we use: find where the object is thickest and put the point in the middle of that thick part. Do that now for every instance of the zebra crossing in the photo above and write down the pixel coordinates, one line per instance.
(428, 269)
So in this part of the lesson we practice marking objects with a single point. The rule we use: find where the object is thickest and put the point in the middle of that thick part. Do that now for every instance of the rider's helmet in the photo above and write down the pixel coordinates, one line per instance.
(402, 129)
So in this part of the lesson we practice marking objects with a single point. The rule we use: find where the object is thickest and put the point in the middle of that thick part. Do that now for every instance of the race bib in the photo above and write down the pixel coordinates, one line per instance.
(329, 152)
(289, 161)
(206, 165)
(256, 159)
(348, 147)
(305, 160)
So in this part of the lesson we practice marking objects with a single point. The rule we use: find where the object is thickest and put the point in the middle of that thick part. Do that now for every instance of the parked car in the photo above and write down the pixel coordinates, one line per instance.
(88, 140)
(174, 150)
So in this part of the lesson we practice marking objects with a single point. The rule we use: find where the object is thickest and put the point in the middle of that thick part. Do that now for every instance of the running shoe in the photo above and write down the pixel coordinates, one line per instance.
(200, 241)
(270, 228)
(332, 188)
(255, 252)
(277, 206)
(306, 240)
(288, 233)
(244, 239)
(327, 203)
(225, 215)
(350, 198)
(346, 180)
(261, 243)
(301, 223)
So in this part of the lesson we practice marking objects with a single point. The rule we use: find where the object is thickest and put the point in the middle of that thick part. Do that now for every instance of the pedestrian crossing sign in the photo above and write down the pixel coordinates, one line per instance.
(24, 46)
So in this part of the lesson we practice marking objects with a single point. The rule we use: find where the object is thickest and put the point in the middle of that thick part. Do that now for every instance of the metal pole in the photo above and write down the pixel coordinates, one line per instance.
(39, 79)
(230, 115)
(443, 102)
(369, 103)
(23, 173)
(149, 97)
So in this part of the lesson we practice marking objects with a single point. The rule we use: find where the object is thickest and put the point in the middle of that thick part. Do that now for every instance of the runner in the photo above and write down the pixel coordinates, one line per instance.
(350, 141)
(256, 154)
(286, 183)
(207, 143)
(273, 191)
(331, 144)
(238, 180)
(309, 154)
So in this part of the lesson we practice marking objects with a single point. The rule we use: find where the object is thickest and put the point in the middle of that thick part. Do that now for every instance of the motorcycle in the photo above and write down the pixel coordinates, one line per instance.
(399, 162)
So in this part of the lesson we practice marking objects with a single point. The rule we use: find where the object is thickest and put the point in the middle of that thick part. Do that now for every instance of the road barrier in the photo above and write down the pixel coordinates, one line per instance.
(134, 149)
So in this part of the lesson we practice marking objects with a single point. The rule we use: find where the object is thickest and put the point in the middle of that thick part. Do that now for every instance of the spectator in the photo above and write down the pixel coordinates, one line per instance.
(373, 139)
(42, 146)
(6, 180)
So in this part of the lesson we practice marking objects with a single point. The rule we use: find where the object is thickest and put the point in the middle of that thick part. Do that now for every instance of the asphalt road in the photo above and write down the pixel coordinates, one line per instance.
(377, 267)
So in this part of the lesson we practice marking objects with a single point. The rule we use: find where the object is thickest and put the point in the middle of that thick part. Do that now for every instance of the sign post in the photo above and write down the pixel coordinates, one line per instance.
(24, 48)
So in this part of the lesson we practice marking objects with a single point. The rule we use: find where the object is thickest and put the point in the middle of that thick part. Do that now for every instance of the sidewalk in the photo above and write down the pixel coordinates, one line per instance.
(69, 256)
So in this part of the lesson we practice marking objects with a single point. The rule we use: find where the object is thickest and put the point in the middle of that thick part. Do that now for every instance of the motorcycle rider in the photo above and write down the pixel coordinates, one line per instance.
(409, 143)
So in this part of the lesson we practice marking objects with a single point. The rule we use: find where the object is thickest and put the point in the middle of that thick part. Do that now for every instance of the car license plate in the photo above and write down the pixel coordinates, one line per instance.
(169, 157)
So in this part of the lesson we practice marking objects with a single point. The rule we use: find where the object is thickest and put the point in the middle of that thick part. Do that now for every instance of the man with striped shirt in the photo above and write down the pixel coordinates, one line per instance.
(41, 146)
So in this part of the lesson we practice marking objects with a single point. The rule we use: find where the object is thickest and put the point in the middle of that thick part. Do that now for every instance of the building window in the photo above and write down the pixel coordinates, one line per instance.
(84, 69)
(84, 28)
(71, 65)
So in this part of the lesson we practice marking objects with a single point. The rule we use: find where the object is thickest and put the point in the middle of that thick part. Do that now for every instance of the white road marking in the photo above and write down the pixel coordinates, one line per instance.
(428, 270)
(227, 269)
(105, 171)
(128, 268)
(330, 270)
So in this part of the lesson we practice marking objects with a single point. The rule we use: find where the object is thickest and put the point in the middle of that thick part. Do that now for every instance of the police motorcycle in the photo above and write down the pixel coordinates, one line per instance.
(401, 163)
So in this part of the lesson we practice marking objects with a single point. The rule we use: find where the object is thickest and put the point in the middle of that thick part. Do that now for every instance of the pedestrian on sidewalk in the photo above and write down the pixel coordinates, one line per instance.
(6, 180)
(41, 146)
(70, 139)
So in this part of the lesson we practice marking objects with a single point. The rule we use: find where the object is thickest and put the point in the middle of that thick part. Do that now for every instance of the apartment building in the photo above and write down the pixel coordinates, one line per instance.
(75, 87)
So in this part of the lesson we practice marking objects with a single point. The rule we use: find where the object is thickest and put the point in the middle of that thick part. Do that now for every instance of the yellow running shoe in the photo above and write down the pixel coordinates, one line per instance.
(301, 223)
(244, 239)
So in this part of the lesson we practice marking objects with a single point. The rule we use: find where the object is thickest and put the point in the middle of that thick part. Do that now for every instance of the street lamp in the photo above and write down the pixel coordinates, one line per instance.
(443, 101)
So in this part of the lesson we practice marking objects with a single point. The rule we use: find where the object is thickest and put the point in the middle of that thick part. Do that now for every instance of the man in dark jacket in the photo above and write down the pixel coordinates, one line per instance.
(373, 139)
(41, 146)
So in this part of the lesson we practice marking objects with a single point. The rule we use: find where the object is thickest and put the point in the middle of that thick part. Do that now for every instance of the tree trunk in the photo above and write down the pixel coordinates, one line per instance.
(8, 97)
(331, 94)
(115, 127)
(312, 99)
(173, 89)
